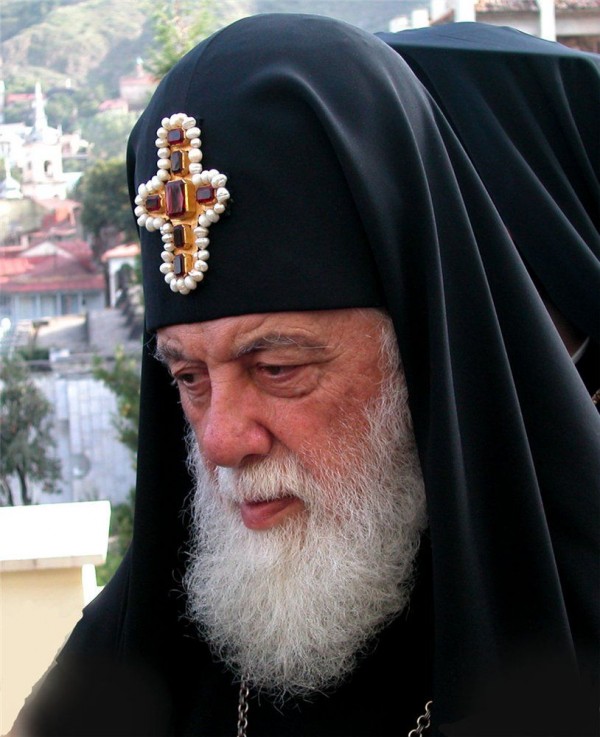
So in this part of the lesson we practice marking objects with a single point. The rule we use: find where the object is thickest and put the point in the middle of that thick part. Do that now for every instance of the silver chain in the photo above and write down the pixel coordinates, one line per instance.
(423, 722)
(242, 724)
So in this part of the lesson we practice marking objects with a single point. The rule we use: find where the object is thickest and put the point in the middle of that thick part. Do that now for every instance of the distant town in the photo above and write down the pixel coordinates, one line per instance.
(63, 301)
(50, 267)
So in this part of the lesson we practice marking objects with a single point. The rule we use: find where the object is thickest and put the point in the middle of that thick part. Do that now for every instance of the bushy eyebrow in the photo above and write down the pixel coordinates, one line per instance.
(167, 354)
(277, 340)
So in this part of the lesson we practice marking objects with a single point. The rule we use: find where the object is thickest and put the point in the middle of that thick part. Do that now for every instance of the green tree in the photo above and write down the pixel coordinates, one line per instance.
(61, 109)
(108, 131)
(106, 213)
(123, 379)
(16, 15)
(26, 440)
(21, 112)
(178, 26)
(119, 537)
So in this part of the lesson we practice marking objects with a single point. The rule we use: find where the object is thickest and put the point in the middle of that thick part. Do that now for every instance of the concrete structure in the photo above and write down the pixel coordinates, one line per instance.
(47, 575)
(120, 262)
(574, 23)
(10, 189)
(49, 279)
(94, 463)
(137, 88)
(43, 169)
(38, 152)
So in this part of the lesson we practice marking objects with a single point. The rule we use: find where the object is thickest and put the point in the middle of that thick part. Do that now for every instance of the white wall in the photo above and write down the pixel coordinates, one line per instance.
(84, 429)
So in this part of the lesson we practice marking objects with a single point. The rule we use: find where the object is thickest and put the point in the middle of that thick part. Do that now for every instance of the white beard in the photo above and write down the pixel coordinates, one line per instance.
(292, 607)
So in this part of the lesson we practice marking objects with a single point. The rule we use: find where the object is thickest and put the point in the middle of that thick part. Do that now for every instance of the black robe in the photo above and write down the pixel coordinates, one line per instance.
(351, 188)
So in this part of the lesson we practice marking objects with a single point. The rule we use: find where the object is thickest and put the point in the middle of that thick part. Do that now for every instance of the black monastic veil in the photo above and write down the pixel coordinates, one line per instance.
(350, 187)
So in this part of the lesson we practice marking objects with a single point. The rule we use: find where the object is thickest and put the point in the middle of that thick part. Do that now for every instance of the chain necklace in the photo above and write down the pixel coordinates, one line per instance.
(243, 709)
(423, 722)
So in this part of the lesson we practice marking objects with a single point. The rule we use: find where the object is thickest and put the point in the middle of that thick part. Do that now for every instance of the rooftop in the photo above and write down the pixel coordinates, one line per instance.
(53, 535)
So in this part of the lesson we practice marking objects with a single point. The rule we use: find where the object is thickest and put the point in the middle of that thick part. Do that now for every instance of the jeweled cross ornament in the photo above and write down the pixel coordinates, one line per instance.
(182, 200)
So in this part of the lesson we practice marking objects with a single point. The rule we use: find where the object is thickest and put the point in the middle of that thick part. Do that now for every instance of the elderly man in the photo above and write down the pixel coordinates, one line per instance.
(368, 469)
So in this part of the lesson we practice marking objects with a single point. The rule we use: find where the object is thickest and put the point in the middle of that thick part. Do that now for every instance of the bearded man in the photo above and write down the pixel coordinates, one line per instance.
(309, 501)
(368, 467)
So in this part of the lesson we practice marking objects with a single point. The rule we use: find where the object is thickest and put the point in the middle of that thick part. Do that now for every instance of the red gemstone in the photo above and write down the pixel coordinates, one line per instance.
(179, 265)
(175, 196)
(205, 194)
(153, 203)
(177, 162)
(176, 135)
(179, 236)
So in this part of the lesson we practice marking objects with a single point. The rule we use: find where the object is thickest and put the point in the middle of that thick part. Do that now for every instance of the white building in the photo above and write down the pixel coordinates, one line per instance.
(120, 261)
(574, 23)
(43, 176)
(38, 152)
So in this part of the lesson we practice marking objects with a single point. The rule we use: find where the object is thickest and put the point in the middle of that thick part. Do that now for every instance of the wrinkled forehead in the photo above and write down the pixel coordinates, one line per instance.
(234, 337)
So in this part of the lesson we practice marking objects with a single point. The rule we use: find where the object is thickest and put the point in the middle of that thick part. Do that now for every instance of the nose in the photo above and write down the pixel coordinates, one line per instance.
(232, 428)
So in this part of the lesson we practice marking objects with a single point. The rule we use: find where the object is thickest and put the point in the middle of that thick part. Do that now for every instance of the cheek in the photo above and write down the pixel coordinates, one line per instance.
(193, 419)
(296, 426)
(330, 439)
(325, 430)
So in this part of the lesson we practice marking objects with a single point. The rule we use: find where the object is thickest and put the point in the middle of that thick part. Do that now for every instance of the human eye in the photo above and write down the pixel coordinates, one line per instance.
(276, 371)
(283, 379)
(192, 381)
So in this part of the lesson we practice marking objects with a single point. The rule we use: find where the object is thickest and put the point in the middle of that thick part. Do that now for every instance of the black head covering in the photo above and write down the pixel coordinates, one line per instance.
(349, 188)
(527, 112)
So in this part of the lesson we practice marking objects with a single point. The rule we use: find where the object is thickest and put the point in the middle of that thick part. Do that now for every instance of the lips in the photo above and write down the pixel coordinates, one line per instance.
(266, 514)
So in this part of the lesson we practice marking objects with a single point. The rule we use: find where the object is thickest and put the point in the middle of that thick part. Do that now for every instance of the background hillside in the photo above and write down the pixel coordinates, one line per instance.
(91, 43)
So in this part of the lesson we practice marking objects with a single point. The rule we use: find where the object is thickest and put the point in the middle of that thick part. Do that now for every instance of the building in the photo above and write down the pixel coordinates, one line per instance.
(38, 153)
(48, 555)
(136, 89)
(42, 165)
(94, 463)
(54, 277)
(120, 262)
(574, 23)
